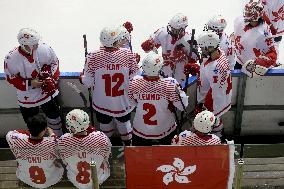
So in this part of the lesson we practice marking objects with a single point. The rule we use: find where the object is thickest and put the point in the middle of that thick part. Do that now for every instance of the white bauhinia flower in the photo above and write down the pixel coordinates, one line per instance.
(176, 172)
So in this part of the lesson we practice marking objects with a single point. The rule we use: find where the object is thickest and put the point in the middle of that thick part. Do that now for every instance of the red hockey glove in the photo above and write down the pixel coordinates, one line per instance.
(198, 108)
(148, 45)
(128, 26)
(191, 68)
(137, 56)
(45, 72)
(49, 85)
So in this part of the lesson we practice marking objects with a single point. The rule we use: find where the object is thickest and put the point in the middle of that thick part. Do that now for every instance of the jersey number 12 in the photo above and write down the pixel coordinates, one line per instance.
(118, 79)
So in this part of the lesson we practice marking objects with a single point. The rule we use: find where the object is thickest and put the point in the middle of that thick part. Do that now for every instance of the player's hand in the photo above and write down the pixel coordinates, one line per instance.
(128, 26)
(49, 85)
(36, 83)
(148, 45)
(191, 68)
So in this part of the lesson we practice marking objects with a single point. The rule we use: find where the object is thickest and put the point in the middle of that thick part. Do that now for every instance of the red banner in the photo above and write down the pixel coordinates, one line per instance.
(175, 167)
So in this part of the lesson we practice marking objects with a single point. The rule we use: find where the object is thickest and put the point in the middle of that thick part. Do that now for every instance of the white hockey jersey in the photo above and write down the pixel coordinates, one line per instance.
(186, 138)
(273, 15)
(109, 73)
(162, 38)
(19, 68)
(35, 159)
(252, 42)
(227, 46)
(78, 151)
(153, 119)
(215, 85)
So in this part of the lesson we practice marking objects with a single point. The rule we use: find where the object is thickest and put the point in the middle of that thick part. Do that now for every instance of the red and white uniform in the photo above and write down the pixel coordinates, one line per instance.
(273, 15)
(20, 68)
(215, 85)
(153, 119)
(78, 151)
(163, 39)
(190, 138)
(252, 42)
(227, 46)
(35, 159)
(109, 73)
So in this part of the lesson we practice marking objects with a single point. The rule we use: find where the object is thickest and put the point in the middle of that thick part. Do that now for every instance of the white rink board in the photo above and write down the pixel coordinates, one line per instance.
(62, 23)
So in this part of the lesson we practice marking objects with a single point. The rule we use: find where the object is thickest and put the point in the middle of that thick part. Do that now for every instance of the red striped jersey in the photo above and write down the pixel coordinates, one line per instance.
(215, 85)
(35, 159)
(153, 118)
(109, 71)
(78, 151)
(189, 138)
(227, 46)
(20, 68)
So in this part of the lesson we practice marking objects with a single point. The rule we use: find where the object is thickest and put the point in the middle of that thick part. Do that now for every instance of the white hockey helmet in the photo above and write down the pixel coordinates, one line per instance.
(208, 39)
(253, 11)
(204, 121)
(177, 25)
(110, 35)
(124, 34)
(152, 64)
(29, 37)
(217, 23)
(77, 119)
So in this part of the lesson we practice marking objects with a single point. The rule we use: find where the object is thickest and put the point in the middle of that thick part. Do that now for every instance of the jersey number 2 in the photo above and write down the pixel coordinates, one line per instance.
(151, 111)
(118, 79)
(37, 175)
(83, 176)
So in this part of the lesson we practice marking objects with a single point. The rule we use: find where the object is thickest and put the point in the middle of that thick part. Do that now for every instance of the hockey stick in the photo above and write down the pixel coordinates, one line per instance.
(75, 88)
(94, 175)
(89, 89)
(190, 54)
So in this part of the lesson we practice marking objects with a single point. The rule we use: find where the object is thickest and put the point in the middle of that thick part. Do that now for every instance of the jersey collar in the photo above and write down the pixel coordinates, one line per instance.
(27, 56)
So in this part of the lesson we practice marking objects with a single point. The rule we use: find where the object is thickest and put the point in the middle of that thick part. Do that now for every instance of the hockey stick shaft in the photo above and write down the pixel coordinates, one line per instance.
(190, 54)
(94, 175)
(75, 88)
(89, 89)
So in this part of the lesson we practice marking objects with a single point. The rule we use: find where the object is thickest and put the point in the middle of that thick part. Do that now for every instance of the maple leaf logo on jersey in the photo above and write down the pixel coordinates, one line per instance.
(238, 44)
(176, 172)
(279, 15)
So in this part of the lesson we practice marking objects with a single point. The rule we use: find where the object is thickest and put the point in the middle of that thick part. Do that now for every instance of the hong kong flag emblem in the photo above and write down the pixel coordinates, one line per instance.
(175, 167)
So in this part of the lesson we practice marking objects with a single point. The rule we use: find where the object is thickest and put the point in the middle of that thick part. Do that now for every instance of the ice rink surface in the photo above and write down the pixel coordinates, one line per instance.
(62, 23)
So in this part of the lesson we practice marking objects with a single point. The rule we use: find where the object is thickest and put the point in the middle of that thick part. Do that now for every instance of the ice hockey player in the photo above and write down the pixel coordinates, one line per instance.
(108, 70)
(272, 15)
(36, 154)
(174, 41)
(33, 69)
(81, 146)
(155, 98)
(254, 44)
(203, 124)
(218, 24)
(214, 90)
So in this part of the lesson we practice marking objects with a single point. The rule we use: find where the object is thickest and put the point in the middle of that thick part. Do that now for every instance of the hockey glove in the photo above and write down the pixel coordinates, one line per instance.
(191, 68)
(148, 45)
(49, 85)
(179, 55)
(198, 108)
(128, 26)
